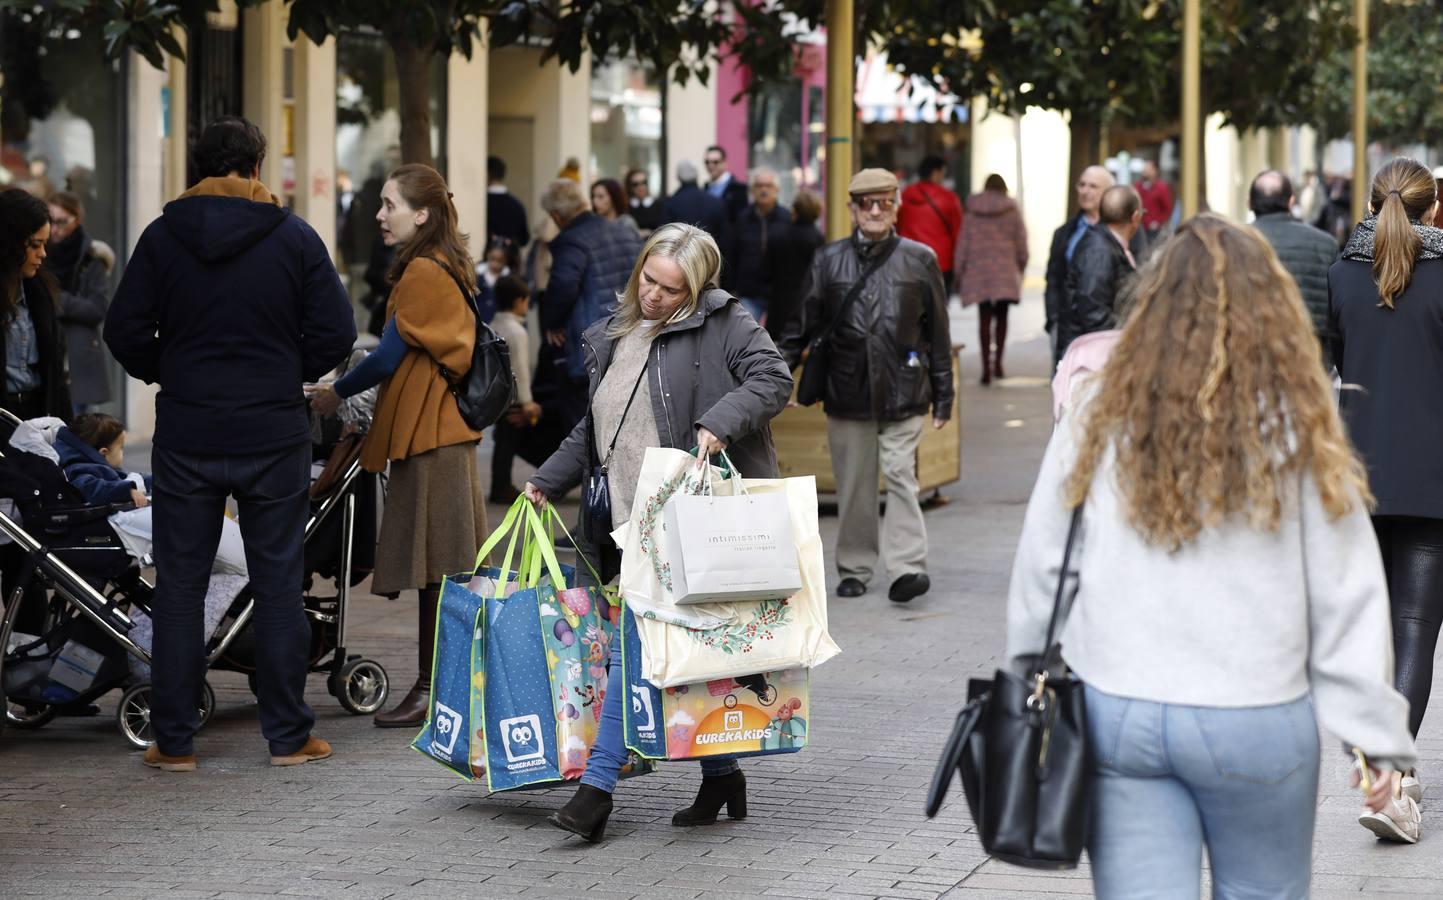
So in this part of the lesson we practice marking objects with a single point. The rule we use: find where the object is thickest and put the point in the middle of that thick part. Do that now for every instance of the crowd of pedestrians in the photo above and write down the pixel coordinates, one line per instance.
(1220, 477)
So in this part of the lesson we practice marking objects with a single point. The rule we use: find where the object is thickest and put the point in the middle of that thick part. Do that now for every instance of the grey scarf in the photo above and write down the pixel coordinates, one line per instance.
(1360, 244)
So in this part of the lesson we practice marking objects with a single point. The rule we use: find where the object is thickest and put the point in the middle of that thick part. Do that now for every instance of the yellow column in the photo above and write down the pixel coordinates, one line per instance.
(841, 113)
(1360, 112)
(467, 116)
(315, 136)
(1191, 103)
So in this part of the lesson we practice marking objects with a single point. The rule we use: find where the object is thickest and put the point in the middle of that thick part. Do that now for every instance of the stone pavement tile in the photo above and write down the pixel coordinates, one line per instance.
(1387, 884)
(1013, 881)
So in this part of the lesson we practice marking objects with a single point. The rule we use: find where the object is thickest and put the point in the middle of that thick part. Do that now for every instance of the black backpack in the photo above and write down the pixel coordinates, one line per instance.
(483, 394)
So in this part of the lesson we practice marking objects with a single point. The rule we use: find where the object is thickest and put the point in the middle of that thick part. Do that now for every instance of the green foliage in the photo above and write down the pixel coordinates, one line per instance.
(1405, 79)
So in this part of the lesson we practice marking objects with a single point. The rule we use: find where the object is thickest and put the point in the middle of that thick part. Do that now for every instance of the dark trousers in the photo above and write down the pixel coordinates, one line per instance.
(1413, 560)
(190, 493)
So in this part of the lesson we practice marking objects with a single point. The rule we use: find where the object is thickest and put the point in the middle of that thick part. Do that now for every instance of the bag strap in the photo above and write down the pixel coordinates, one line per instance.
(605, 463)
(856, 291)
(1053, 652)
(952, 753)
(938, 210)
(475, 311)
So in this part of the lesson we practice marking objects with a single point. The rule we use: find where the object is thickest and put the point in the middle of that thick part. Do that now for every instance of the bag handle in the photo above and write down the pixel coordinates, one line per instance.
(508, 523)
(967, 721)
(556, 519)
(729, 472)
(542, 551)
(1052, 653)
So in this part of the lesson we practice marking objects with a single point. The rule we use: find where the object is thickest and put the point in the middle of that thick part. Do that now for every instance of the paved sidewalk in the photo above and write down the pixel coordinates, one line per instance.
(80, 816)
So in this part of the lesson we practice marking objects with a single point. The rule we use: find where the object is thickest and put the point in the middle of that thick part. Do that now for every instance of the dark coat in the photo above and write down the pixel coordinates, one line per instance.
(1056, 291)
(901, 311)
(735, 197)
(1306, 253)
(717, 369)
(230, 303)
(591, 260)
(84, 296)
(746, 274)
(694, 206)
(96, 479)
(648, 217)
(789, 256)
(53, 384)
(1095, 279)
(506, 217)
(1391, 364)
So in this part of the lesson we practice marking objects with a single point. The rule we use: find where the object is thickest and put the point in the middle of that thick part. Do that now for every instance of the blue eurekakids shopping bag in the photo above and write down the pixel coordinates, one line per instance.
(519, 678)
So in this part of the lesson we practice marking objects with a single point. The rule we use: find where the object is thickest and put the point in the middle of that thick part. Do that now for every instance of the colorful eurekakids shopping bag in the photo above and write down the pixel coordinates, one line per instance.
(749, 715)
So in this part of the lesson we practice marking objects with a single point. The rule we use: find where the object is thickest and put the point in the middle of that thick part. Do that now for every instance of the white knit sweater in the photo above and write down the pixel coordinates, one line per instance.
(1238, 617)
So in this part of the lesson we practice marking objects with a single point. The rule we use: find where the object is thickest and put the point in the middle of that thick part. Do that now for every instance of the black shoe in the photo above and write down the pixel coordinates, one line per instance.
(723, 790)
(850, 587)
(585, 813)
(504, 496)
(909, 586)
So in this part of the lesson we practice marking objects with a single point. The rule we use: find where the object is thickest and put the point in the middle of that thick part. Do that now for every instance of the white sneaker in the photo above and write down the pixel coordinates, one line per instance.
(1398, 821)
(1413, 787)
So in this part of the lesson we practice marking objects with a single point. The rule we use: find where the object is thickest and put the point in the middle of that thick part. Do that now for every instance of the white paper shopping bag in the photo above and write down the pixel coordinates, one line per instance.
(729, 548)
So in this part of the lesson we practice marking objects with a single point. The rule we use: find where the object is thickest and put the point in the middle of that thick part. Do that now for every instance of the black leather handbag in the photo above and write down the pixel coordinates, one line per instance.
(812, 382)
(1020, 748)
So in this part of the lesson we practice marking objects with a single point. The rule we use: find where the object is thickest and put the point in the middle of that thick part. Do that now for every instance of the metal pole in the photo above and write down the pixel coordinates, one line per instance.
(1360, 112)
(1191, 176)
(841, 70)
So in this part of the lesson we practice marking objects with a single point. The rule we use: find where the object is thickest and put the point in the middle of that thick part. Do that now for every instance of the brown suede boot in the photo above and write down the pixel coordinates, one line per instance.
(314, 749)
(157, 760)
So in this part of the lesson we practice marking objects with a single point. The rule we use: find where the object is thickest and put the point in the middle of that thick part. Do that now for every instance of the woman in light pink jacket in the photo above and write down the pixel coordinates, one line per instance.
(991, 256)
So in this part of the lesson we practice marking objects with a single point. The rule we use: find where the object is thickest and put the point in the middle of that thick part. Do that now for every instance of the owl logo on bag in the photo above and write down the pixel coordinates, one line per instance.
(522, 738)
(446, 724)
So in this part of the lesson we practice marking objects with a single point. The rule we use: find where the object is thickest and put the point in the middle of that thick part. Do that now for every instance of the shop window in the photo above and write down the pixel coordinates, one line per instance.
(626, 121)
(62, 127)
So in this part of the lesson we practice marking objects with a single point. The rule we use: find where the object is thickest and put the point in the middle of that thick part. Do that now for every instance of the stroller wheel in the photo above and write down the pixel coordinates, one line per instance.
(28, 715)
(133, 714)
(361, 686)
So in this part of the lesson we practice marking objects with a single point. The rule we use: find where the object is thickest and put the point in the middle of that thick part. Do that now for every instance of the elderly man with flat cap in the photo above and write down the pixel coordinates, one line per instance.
(889, 366)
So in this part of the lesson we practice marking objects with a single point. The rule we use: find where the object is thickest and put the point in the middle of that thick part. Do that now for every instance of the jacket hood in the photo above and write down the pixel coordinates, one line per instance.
(990, 203)
(714, 299)
(73, 450)
(1360, 244)
(220, 218)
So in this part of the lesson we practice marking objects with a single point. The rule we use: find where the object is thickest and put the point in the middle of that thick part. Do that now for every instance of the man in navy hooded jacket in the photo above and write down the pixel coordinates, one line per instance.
(230, 304)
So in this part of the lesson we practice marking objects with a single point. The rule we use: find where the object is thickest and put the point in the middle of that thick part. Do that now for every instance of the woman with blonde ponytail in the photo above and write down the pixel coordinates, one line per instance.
(434, 518)
(1385, 298)
(1230, 593)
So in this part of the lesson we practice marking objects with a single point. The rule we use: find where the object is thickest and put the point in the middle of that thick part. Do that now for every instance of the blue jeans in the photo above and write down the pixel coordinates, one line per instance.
(1168, 780)
(609, 753)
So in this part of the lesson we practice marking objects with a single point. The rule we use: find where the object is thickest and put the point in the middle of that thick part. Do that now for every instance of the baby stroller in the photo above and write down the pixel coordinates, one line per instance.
(65, 635)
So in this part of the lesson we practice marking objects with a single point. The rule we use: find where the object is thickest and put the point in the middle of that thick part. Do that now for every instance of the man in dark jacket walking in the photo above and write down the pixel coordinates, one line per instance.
(230, 304)
(1100, 266)
(505, 215)
(1090, 185)
(890, 360)
(722, 185)
(591, 260)
(747, 278)
(1306, 252)
(691, 205)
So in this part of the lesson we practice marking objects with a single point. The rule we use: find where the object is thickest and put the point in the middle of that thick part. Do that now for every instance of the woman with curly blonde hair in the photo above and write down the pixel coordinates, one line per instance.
(1229, 583)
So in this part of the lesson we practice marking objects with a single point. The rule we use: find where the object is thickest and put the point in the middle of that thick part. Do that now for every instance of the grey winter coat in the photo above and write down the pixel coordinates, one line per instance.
(84, 296)
(716, 369)
(1307, 253)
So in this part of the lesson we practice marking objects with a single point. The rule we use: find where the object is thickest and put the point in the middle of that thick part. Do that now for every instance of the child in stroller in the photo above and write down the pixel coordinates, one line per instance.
(85, 631)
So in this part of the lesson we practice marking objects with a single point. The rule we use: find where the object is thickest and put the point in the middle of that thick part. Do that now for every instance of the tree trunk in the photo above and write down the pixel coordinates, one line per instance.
(413, 74)
(1086, 151)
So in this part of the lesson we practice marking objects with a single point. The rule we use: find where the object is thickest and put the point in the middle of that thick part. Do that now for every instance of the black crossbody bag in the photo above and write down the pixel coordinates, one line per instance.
(1020, 747)
(812, 383)
(596, 499)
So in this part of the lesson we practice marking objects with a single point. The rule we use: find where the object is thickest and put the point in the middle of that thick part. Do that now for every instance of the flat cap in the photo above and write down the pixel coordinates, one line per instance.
(872, 181)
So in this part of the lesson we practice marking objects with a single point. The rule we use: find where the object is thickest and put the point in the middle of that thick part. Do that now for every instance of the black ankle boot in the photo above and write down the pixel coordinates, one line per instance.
(723, 790)
(584, 814)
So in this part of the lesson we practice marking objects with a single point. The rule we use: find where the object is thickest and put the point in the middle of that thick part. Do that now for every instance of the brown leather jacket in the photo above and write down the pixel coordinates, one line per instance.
(891, 357)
